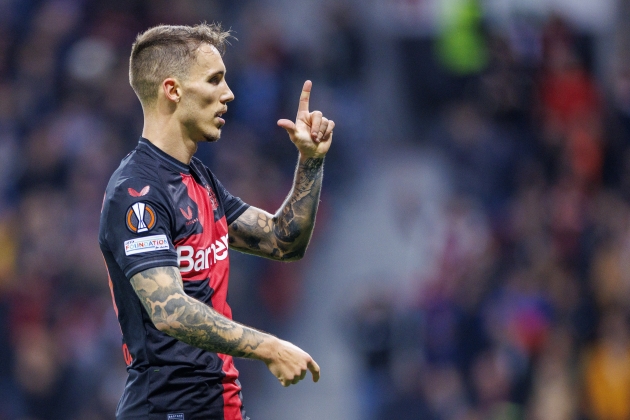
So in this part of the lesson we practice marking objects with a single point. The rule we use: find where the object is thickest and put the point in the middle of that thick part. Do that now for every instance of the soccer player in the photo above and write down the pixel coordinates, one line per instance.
(167, 223)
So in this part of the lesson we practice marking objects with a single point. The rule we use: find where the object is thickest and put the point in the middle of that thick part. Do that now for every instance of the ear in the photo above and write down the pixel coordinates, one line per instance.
(171, 89)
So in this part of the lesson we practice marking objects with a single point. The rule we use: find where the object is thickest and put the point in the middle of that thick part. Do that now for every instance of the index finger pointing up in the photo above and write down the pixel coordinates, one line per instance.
(305, 97)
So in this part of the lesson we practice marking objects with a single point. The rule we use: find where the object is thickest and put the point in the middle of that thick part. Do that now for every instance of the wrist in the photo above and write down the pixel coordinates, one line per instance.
(305, 159)
(267, 350)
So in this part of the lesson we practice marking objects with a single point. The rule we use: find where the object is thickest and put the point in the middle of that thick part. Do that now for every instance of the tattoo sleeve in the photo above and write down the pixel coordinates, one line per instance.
(285, 235)
(189, 320)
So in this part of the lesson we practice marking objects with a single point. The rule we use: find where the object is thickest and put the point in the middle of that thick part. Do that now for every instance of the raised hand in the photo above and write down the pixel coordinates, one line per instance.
(311, 132)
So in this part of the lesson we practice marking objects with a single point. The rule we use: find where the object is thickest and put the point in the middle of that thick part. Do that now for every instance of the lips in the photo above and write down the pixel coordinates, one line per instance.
(219, 114)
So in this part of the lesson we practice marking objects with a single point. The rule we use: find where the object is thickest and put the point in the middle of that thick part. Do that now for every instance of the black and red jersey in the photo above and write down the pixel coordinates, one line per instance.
(160, 212)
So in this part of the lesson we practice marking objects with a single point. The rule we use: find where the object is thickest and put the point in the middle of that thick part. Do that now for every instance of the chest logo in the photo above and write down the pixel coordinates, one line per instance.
(142, 192)
(140, 217)
(187, 214)
(197, 260)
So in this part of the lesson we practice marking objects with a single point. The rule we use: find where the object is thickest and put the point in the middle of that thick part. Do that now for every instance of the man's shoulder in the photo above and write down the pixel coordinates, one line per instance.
(140, 163)
(137, 178)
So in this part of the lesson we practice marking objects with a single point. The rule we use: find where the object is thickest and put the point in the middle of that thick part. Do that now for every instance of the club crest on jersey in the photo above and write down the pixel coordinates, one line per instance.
(213, 197)
(142, 192)
(140, 217)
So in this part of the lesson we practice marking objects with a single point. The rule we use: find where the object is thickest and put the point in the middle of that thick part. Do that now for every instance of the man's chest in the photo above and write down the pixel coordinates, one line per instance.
(201, 238)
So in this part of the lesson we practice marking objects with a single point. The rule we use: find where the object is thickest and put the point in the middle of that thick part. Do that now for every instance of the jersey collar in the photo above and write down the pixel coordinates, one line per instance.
(169, 160)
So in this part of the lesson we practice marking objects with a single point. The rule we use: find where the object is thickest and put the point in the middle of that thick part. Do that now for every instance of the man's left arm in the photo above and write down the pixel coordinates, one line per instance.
(286, 234)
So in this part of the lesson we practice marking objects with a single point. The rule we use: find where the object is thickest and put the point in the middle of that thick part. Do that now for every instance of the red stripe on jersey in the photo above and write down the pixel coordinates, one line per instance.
(232, 403)
(207, 252)
(215, 267)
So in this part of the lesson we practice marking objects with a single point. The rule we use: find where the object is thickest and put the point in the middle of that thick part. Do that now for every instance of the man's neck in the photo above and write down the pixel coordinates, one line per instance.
(166, 135)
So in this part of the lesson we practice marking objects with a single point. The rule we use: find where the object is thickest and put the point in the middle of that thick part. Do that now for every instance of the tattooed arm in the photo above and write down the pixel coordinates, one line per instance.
(173, 312)
(286, 234)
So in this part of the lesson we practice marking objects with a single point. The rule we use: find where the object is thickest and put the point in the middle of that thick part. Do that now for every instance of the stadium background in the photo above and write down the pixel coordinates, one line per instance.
(472, 252)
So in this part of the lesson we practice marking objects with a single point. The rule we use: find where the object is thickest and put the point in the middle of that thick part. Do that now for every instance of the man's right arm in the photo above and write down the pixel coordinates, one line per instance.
(173, 312)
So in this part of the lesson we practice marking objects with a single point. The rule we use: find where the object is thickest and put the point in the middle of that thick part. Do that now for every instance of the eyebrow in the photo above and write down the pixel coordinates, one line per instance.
(216, 73)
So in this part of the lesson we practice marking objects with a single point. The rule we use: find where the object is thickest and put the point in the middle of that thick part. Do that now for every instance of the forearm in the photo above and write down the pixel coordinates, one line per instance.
(293, 223)
(285, 235)
(193, 322)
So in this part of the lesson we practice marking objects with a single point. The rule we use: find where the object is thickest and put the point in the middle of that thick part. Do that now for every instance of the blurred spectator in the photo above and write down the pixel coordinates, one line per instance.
(461, 44)
(555, 395)
(571, 107)
(607, 370)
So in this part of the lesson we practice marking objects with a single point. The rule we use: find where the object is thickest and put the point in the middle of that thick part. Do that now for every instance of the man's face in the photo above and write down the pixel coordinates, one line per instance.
(204, 96)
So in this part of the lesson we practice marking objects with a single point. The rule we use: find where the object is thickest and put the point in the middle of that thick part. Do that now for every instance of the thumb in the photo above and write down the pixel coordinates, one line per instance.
(287, 125)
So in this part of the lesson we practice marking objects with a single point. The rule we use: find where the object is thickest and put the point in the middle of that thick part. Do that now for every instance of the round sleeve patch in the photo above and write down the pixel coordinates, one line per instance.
(140, 217)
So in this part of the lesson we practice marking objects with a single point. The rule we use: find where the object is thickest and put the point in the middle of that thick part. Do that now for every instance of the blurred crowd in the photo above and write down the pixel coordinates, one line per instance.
(525, 313)
(524, 310)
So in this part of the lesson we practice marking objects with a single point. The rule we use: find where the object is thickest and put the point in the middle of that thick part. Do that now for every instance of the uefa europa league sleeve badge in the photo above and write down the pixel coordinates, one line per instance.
(140, 217)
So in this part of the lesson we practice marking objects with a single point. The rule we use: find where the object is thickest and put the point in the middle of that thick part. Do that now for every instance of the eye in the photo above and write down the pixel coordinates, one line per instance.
(215, 80)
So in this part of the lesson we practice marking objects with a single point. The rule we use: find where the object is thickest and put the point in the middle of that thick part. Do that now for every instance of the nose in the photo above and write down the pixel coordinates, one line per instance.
(228, 96)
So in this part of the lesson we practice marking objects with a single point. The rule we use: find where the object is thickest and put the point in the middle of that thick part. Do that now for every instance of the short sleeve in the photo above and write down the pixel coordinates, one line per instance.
(138, 222)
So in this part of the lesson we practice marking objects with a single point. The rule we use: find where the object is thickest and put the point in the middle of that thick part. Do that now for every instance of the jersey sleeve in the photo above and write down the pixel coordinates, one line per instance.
(138, 222)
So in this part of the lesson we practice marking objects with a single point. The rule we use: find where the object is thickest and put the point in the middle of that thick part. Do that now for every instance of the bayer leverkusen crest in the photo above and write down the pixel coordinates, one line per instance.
(213, 198)
(140, 217)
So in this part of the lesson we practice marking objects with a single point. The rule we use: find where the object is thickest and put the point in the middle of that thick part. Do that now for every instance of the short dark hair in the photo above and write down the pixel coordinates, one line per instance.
(169, 51)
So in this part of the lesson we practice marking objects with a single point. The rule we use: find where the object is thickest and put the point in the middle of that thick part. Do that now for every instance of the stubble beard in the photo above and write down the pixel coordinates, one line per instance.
(212, 138)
